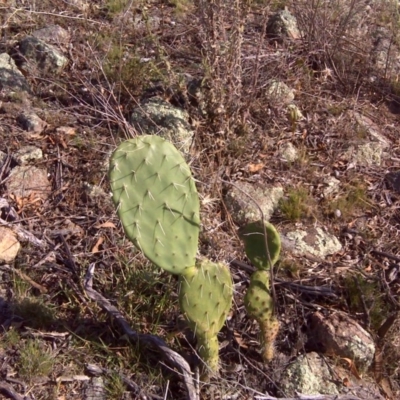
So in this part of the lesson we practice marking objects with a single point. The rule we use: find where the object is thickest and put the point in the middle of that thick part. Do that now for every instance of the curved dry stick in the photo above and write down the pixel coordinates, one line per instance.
(174, 359)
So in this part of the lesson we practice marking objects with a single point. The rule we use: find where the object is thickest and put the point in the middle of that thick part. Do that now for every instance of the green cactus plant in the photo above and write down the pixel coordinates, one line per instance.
(157, 201)
(158, 205)
(254, 242)
(263, 253)
(260, 305)
(205, 298)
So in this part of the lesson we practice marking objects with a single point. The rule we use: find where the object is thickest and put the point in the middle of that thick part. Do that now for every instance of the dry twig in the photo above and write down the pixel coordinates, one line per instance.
(174, 359)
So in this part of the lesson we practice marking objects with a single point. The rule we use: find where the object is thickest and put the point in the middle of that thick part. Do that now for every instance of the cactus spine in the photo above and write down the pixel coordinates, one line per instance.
(258, 300)
(158, 205)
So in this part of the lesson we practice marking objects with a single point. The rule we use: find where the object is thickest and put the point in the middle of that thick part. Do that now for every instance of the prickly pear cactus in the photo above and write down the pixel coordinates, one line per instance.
(260, 305)
(157, 201)
(253, 237)
(205, 298)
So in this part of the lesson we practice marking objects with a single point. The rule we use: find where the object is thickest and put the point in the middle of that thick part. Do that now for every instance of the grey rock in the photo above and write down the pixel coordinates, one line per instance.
(308, 374)
(40, 56)
(31, 122)
(11, 78)
(283, 25)
(242, 208)
(365, 154)
(27, 154)
(315, 241)
(331, 186)
(383, 53)
(53, 34)
(288, 152)
(25, 181)
(278, 93)
(339, 335)
(372, 131)
(95, 389)
(157, 117)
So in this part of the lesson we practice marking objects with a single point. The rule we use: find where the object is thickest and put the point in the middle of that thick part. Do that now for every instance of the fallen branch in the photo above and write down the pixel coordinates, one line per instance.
(23, 235)
(175, 359)
(8, 391)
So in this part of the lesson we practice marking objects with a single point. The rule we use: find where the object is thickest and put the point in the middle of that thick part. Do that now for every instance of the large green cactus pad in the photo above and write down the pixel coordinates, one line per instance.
(157, 201)
(260, 305)
(253, 237)
(205, 298)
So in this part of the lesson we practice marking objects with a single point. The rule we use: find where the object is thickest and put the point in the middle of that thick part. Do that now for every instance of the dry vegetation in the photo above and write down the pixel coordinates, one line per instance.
(54, 330)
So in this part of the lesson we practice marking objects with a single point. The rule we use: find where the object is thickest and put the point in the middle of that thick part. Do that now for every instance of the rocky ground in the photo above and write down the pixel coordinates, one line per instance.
(288, 107)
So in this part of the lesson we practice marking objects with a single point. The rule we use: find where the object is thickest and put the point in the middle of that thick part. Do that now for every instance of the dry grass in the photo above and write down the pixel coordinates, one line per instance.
(114, 62)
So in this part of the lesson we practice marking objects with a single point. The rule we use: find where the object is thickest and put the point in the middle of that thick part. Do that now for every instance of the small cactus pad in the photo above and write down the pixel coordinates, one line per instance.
(157, 201)
(260, 305)
(205, 298)
(253, 237)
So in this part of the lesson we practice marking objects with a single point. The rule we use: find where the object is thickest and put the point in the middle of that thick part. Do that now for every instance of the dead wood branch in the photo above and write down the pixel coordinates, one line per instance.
(172, 357)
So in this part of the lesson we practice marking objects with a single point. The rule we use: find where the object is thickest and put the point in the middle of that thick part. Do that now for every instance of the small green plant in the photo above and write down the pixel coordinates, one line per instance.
(365, 295)
(296, 205)
(263, 252)
(158, 205)
(35, 360)
(353, 200)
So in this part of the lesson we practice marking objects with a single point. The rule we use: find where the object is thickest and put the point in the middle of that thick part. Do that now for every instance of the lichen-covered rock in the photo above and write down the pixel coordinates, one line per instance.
(279, 93)
(27, 154)
(27, 180)
(53, 34)
(242, 208)
(308, 374)
(158, 117)
(288, 152)
(365, 154)
(283, 25)
(11, 78)
(331, 186)
(338, 335)
(31, 122)
(41, 56)
(314, 241)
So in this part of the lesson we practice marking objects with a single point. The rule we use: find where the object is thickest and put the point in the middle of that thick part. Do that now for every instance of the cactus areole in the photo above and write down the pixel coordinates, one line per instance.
(157, 201)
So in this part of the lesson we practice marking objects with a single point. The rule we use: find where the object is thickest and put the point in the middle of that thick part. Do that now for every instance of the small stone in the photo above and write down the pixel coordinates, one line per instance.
(28, 153)
(9, 245)
(158, 117)
(27, 180)
(41, 56)
(331, 186)
(243, 210)
(339, 335)
(29, 121)
(11, 78)
(53, 34)
(279, 93)
(337, 213)
(283, 25)
(315, 241)
(288, 152)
